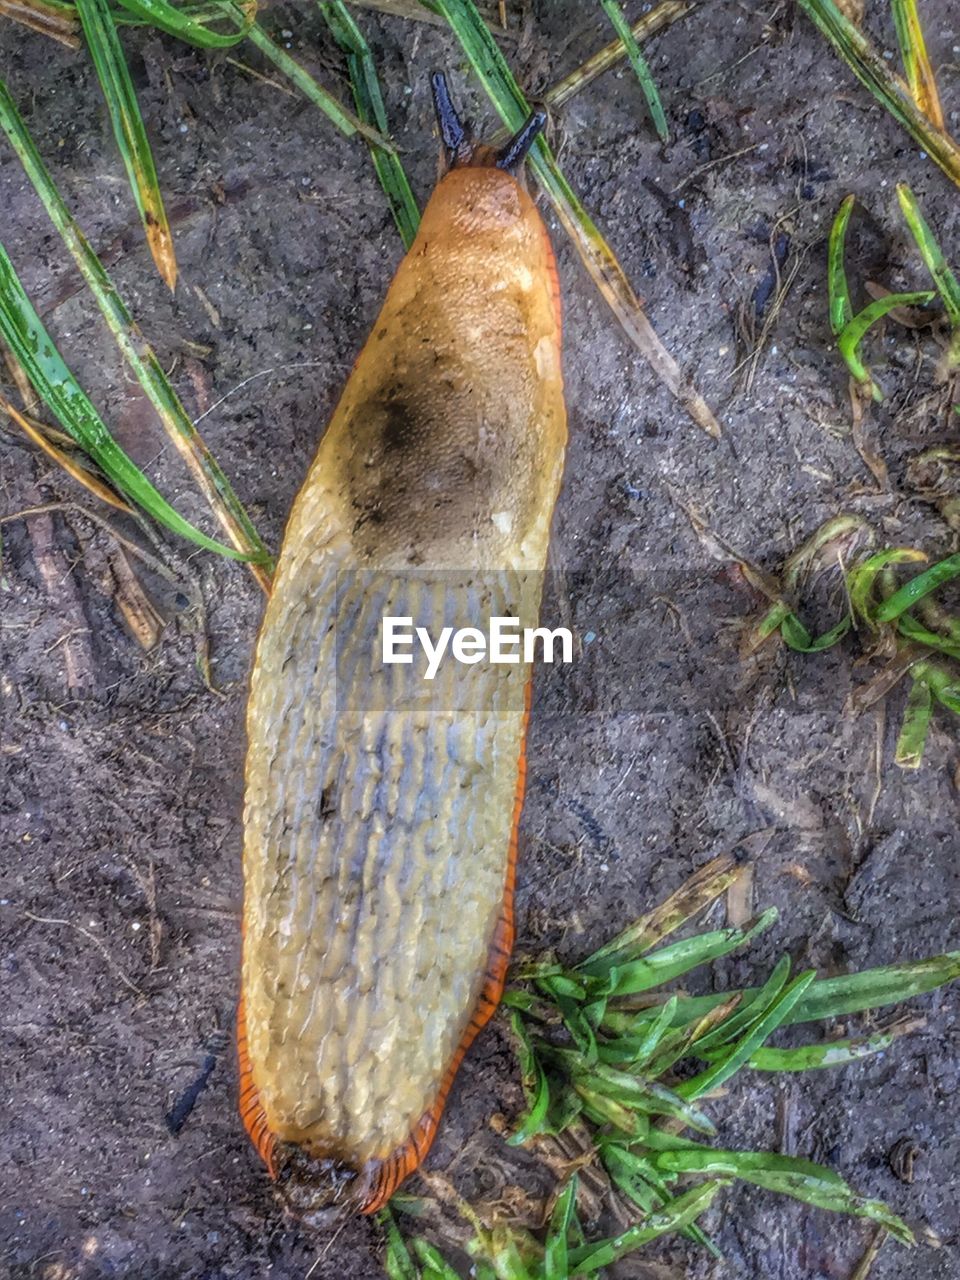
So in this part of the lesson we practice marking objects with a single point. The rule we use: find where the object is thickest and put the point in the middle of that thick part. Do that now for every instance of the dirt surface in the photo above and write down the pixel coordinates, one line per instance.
(120, 789)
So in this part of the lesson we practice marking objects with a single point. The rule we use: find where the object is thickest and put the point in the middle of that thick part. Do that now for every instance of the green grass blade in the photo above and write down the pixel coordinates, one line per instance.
(494, 74)
(111, 67)
(874, 988)
(502, 1252)
(812, 1057)
(838, 290)
(369, 103)
(642, 71)
(435, 1266)
(178, 22)
(910, 629)
(850, 993)
(630, 1174)
(535, 1087)
(556, 1247)
(638, 1051)
(703, 887)
(202, 11)
(730, 1064)
(922, 585)
(787, 1175)
(944, 684)
(749, 1011)
(24, 333)
(916, 60)
(680, 957)
(604, 1110)
(333, 109)
(861, 581)
(771, 621)
(665, 13)
(674, 1216)
(636, 1093)
(798, 638)
(575, 1020)
(399, 1265)
(635, 1177)
(946, 282)
(137, 352)
(565, 1105)
(562, 985)
(856, 330)
(916, 722)
(868, 65)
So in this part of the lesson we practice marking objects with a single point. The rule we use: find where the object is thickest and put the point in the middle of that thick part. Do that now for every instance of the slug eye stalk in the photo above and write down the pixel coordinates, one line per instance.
(513, 154)
(458, 143)
(455, 139)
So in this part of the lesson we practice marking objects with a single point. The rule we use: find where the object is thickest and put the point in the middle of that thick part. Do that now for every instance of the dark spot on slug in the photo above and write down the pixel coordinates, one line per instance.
(399, 428)
(328, 802)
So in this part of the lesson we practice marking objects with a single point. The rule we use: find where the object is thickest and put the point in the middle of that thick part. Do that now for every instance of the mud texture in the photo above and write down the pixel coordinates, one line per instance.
(120, 771)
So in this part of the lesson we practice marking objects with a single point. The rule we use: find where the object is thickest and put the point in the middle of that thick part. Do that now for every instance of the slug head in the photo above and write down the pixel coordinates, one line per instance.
(318, 1190)
(459, 147)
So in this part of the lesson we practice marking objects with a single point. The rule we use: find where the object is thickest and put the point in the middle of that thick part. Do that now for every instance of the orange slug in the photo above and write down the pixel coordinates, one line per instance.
(381, 809)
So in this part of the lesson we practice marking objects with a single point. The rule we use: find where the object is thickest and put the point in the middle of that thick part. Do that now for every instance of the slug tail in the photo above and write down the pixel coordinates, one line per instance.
(402, 1162)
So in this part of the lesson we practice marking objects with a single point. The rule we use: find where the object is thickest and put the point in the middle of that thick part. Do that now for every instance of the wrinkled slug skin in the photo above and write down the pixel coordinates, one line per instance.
(380, 812)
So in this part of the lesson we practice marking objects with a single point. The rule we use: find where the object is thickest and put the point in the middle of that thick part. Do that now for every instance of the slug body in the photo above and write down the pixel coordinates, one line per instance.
(381, 808)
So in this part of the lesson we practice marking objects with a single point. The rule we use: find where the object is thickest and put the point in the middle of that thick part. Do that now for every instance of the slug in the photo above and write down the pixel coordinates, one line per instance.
(381, 808)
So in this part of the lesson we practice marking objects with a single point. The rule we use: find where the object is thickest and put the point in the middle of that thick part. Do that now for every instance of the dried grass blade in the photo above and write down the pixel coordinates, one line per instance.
(82, 475)
(703, 887)
(139, 354)
(333, 109)
(916, 60)
(893, 93)
(58, 21)
(121, 99)
(658, 19)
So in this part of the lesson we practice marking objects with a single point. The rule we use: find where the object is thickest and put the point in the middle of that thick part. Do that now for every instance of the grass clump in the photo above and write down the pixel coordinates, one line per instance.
(911, 103)
(610, 1045)
(899, 624)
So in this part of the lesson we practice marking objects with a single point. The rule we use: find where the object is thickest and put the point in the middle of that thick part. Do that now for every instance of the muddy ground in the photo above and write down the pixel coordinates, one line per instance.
(121, 771)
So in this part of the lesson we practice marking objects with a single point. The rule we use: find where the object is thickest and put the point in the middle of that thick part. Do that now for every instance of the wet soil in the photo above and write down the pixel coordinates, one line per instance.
(120, 771)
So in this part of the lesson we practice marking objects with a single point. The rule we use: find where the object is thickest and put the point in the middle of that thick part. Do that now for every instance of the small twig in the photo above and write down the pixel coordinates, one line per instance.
(879, 734)
(153, 562)
(97, 942)
(663, 16)
(865, 1265)
(258, 75)
(712, 164)
(62, 593)
(49, 20)
(261, 373)
(413, 11)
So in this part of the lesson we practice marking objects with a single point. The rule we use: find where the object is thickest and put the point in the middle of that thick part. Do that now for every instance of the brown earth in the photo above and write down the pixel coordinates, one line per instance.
(121, 772)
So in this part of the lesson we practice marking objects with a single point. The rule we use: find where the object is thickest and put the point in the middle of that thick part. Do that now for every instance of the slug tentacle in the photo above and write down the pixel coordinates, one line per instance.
(514, 153)
(452, 130)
